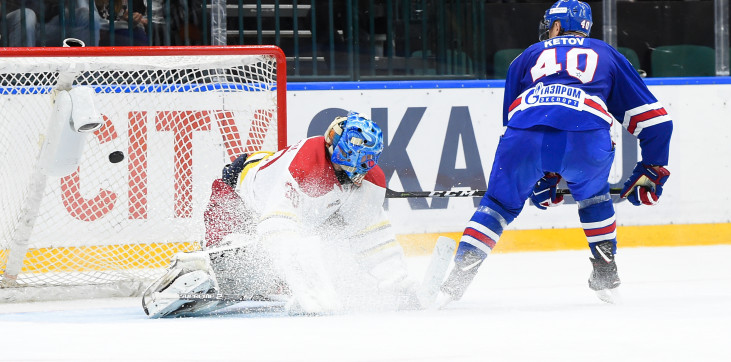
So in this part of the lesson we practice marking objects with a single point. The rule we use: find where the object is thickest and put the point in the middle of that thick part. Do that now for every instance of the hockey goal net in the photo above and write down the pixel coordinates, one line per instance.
(170, 119)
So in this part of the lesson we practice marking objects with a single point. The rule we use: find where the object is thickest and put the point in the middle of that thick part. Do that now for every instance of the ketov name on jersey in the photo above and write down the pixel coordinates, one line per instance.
(563, 41)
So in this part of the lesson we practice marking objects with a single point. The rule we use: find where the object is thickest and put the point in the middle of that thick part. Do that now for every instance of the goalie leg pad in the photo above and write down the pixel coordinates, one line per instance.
(171, 298)
(188, 273)
(245, 269)
(242, 270)
(427, 293)
(307, 276)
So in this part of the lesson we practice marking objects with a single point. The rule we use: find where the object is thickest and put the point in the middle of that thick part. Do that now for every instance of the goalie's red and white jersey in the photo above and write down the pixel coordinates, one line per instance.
(295, 193)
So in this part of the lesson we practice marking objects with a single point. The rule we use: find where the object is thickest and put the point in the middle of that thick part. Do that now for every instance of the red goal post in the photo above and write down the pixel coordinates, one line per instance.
(94, 219)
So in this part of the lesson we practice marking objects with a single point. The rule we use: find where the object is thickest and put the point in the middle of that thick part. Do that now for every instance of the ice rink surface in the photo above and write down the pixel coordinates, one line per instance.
(521, 307)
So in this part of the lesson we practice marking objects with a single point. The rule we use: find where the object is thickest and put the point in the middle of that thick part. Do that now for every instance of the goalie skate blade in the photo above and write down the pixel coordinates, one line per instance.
(611, 296)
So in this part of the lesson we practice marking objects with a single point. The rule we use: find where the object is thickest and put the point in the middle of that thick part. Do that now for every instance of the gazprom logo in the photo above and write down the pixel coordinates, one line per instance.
(554, 94)
(532, 96)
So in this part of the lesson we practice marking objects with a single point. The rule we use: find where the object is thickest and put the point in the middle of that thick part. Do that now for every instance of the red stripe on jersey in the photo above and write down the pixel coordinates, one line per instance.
(596, 106)
(601, 231)
(312, 169)
(376, 176)
(644, 116)
(480, 236)
(515, 104)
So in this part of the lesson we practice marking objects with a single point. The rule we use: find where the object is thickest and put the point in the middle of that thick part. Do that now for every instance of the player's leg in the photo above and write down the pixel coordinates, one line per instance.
(514, 172)
(243, 271)
(600, 228)
(588, 165)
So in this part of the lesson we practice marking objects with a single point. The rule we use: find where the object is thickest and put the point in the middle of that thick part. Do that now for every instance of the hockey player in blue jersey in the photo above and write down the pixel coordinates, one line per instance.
(562, 95)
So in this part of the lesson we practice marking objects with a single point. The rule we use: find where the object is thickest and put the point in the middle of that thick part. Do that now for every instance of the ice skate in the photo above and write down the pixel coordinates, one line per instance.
(464, 271)
(604, 279)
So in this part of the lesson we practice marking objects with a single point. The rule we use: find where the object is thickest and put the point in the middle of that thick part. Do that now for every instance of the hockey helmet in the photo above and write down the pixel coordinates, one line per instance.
(355, 143)
(573, 15)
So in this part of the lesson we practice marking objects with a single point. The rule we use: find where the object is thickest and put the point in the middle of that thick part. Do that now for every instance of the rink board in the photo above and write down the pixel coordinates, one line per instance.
(413, 244)
(441, 135)
(574, 239)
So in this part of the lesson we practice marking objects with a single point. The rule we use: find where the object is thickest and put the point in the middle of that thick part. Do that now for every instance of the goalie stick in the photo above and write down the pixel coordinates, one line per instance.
(436, 271)
(223, 304)
(391, 194)
(220, 297)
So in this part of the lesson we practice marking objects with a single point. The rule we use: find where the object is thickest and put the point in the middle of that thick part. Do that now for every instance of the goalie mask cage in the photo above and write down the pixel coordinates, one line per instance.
(178, 115)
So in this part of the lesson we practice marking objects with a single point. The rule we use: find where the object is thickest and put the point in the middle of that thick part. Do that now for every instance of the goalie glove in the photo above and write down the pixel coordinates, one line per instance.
(645, 184)
(544, 192)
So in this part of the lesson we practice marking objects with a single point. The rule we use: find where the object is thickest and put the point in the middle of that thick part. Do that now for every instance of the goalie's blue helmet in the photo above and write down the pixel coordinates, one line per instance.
(355, 143)
(574, 16)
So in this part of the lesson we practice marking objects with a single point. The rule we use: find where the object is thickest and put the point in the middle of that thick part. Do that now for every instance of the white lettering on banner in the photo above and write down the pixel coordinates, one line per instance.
(563, 41)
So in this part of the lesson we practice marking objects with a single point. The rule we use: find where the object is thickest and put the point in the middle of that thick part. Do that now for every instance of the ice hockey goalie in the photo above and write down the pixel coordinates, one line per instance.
(305, 224)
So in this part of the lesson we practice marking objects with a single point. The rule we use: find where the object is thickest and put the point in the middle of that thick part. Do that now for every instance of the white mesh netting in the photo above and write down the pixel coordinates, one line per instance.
(177, 119)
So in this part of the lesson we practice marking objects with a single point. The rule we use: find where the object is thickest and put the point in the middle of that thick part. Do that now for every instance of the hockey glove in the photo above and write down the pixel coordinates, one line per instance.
(544, 192)
(645, 184)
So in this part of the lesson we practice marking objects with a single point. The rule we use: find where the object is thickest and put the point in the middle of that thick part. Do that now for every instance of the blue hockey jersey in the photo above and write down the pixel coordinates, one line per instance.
(577, 84)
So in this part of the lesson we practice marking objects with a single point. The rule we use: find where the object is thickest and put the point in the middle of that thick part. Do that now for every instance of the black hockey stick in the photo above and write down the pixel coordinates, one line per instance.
(391, 194)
